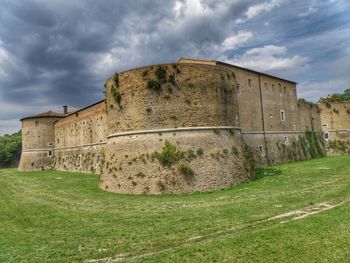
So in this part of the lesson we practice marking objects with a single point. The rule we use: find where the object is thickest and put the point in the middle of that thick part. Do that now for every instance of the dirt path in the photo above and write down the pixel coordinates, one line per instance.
(282, 218)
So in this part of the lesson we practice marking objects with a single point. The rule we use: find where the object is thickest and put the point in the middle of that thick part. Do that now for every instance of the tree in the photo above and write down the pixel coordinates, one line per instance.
(10, 149)
(336, 97)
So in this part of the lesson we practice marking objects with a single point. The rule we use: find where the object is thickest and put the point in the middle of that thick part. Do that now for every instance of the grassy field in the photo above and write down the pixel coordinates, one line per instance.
(64, 217)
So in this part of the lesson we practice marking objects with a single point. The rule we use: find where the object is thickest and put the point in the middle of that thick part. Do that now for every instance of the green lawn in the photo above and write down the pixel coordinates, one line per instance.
(64, 217)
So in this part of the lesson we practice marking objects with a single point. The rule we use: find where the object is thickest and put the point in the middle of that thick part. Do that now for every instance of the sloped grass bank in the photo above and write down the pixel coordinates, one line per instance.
(54, 216)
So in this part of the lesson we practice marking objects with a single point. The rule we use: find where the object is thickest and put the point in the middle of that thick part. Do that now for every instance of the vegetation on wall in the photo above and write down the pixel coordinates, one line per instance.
(309, 146)
(302, 100)
(161, 77)
(315, 149)
(339, 146)
(336, 97)
(115, 90)
(10, 149)
(171, 154)
(248, 161)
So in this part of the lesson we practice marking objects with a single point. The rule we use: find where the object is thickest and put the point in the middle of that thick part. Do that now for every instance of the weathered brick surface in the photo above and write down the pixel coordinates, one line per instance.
(174, 96)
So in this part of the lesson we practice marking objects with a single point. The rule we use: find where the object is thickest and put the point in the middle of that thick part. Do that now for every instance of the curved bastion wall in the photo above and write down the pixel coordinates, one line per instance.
(170, 96)
(38, 142)
(172, 129)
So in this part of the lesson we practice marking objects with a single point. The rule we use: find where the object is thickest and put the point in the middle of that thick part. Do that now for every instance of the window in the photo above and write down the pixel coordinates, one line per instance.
(324, 125)
(36, 123)
(271, 115)
(50, 144)
(261, 150)
(285, 140)
(237, 87)
(249, 82)
(326, 135)
(283, 115)
(50, 154)
(77, 162)
(58, 140)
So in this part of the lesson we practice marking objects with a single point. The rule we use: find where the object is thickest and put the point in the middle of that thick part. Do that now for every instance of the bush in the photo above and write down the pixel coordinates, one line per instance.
(190, 155)
(231, 131)
(116, 95)
(200, 152)
(249, 164)
(161, 186)
(140, 174)
(234, 150)
(161, 74)
(10, 149)
(186, 170)
(154, 85)
(169, 155)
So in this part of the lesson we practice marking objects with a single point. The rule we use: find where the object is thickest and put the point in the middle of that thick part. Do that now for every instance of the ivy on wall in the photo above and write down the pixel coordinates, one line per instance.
(115, 91)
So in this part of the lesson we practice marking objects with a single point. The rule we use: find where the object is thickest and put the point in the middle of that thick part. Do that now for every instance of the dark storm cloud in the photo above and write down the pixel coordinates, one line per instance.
(58, 36)
(61, 52)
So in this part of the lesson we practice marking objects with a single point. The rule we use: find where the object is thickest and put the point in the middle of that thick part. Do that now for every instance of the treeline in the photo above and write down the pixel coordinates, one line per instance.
(10, 149)
(337, 97)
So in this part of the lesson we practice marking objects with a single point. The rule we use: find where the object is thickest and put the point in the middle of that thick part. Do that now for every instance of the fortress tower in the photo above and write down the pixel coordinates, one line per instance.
(38, 141)
(172, 128)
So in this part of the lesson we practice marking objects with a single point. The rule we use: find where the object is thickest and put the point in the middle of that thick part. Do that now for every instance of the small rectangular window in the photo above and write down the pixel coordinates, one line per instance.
(249, 82)
(77, 162)
(324, 125)
(36, 123)
(326, 135)
(271, 115)
(50, 144)
(285, 140)
(261, 150)
(283, 115)
(50, 153)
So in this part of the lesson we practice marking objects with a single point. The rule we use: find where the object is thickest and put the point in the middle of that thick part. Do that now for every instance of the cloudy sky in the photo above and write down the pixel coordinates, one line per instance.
(60, 52)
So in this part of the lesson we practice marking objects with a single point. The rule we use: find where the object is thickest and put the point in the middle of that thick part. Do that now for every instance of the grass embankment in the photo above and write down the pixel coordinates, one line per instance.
(64, 217)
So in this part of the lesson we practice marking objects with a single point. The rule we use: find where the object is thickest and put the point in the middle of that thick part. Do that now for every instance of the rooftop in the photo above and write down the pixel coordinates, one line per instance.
(215, 62)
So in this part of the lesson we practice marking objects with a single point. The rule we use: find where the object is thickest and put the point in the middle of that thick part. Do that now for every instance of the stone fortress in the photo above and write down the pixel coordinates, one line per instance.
(194, 125)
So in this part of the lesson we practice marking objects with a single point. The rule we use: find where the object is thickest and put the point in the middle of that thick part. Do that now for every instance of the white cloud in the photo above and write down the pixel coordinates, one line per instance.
(237, 40)
(7, 61)
(313, 90)
(255, 10)
(270, 58)
(310, 11)
(9, 126)
(190, 8)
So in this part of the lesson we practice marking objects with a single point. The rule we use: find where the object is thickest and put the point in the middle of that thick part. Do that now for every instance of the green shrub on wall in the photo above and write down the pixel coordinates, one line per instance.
(339, 147)
(248, 162)
(315, 149)
(115, 90)
(169, 155)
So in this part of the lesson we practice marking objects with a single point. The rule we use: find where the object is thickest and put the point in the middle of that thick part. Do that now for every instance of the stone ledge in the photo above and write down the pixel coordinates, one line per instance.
(172, 130)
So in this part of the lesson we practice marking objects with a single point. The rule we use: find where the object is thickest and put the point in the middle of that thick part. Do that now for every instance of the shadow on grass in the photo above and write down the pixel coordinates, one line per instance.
(262, 172)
